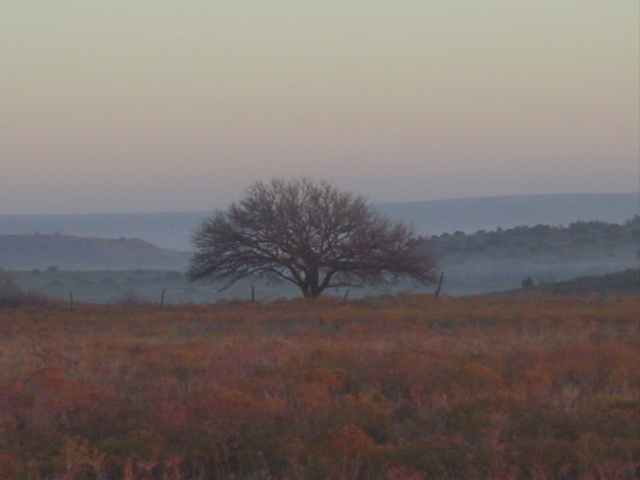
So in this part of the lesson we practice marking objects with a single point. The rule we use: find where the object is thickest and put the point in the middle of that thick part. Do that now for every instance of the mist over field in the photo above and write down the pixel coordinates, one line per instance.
(483, 245)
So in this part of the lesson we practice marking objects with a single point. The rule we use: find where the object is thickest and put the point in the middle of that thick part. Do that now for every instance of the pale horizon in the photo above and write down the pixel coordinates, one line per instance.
(123, 107)
(400, 202)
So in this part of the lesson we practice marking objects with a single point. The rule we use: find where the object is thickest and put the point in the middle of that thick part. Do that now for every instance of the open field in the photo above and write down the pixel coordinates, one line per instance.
(394, 387)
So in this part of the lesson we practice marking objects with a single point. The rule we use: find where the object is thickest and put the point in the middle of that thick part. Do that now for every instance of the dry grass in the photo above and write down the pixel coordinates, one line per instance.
(404, 387)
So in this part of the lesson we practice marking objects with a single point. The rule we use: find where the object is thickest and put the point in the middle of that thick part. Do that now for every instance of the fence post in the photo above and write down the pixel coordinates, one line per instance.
(437, 292)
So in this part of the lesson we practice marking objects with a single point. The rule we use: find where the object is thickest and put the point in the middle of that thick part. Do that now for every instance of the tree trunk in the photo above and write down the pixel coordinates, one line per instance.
(313, 280)
(306, 291)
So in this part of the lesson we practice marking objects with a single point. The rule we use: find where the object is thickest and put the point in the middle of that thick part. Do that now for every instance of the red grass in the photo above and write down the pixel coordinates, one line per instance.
(399, 388)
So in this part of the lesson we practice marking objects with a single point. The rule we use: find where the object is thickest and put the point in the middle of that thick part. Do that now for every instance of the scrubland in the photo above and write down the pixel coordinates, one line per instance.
(403, 387)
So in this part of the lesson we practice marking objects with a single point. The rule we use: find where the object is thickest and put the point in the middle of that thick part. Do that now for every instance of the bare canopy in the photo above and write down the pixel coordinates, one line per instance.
(310, 234)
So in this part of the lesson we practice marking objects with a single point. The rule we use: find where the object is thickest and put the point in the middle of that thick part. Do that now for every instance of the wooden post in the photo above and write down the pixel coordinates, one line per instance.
(253, 294)
(553, 280)
(346, 295)
(437, 292)
(162, 299)
(70, 302)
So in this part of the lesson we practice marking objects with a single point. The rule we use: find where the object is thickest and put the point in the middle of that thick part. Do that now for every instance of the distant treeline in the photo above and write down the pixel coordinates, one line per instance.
(539, 237)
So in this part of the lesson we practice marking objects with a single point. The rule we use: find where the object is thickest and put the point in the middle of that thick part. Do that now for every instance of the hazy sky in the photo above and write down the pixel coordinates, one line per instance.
(132, 105)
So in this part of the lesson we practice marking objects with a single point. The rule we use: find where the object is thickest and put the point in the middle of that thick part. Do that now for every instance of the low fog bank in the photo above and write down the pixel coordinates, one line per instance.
(469, 265)
(533, 251)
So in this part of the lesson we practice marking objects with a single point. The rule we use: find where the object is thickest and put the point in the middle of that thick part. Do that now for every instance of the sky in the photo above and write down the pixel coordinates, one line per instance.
(152, 106)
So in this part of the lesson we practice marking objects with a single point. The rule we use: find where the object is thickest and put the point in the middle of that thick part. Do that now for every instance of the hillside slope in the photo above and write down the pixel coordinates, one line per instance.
(618, 283)
(502, 259)
(173, 230)
(473, 264)
(41, 251)
(490, 213)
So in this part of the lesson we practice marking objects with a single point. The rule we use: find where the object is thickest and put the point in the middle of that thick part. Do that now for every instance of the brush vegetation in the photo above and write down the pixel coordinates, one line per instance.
(401, 387)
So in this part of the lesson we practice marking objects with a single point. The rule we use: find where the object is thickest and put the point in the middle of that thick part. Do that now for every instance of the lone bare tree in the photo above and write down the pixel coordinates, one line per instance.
(310, 234)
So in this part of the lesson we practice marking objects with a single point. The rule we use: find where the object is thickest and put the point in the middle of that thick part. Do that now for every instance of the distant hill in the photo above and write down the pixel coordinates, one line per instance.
(497, 260)
(173, 230)
(540, 258)
(167, 230)
(490, 213)
(621, 283)
(42, 251)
